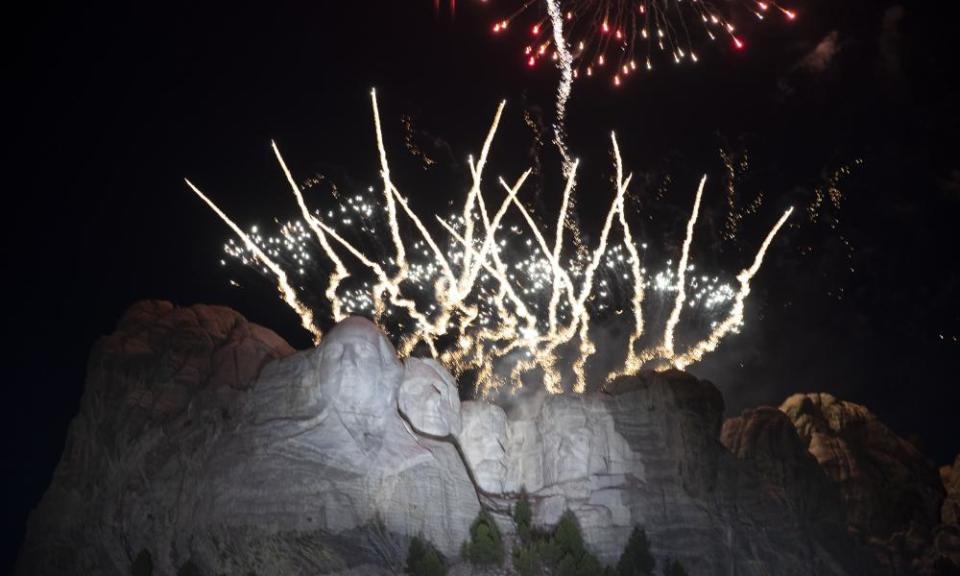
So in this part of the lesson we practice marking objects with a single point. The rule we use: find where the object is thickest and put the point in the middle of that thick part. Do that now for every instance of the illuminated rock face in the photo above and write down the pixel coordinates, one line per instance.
(205, 439)
(644, 454)
(322, 446)
(482, 438)
(429, 398)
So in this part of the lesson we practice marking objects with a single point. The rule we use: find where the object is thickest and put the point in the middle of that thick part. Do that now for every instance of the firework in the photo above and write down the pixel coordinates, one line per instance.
(619, 38)
(492, 295)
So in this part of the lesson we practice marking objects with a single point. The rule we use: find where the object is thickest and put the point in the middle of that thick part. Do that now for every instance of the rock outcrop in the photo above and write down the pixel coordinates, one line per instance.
(775, 462)
(766, 439)
(950, 476)
(947, 535)
(206, 441)
(182, 449)
(891, 493)
(869, 463)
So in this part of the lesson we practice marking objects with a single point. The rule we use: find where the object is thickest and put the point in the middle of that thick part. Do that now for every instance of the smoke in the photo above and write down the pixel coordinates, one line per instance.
(821, 57)
(951, 184)
(890, 40)
(813, 64)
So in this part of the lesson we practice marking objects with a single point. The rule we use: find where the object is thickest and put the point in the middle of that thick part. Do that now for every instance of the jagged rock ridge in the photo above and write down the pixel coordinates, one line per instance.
(205, 439)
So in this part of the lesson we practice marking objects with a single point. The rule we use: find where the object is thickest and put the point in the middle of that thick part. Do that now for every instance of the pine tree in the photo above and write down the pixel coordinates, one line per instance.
(431, 564)
(560, 553)
(142, 564)
(526, 561)
(486, 545)
(189, 569)
(568, 537)
(636, 559)
(523, 516)
(569, 551)
(423, 560)
(673, 568)
(415, 554)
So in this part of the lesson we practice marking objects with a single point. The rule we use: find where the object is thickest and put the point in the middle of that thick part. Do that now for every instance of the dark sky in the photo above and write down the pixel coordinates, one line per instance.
(114, 103)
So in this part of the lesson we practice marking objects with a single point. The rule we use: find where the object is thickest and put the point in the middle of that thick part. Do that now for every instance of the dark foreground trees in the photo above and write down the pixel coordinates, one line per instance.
(423, 559)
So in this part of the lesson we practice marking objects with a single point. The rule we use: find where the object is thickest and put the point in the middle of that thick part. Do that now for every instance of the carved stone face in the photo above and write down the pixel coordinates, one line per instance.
(429, 398)
(484, 440)
(359, 373)
(566, 440)
(573, 455)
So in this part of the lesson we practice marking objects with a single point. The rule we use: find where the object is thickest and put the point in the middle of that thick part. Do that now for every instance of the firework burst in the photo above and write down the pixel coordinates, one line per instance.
(618, 38)
(492, 295)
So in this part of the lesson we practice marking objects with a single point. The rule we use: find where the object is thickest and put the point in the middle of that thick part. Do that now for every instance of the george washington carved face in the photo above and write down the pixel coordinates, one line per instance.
(359, 376)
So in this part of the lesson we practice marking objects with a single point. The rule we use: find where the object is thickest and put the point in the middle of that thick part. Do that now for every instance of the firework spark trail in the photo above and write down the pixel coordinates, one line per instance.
(387, 185)
(668, 333)
(393, 290)
(488, 330)
(598, 252)
(488, 240)
(529, 338)
(339, 272)
(558, 246)
(476, 171)
(735, 317)
(287, 292)
(451, 295)
(579, 312)
(528, 335)
(564, 90)
(472, 349)
(474, 196)
(506, 288)
(507, 329)
(532, 338)
(400, 251)
(498, 272)
(428, 238)
(429, 330)
(587, 348)
(560, 275)
(632, 362)
(565, 60)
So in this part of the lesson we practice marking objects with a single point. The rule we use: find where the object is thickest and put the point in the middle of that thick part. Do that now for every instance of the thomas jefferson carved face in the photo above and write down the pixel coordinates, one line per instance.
(429, 398)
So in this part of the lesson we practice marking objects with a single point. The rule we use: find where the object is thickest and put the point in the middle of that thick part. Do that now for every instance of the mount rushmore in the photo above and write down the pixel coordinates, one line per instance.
(205, 439)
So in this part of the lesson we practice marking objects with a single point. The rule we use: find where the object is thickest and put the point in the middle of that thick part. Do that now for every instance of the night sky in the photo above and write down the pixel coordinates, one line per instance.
(115, 103)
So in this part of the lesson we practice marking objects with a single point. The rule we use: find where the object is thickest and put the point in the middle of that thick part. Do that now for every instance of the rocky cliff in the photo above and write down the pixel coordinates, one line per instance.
(206, 441)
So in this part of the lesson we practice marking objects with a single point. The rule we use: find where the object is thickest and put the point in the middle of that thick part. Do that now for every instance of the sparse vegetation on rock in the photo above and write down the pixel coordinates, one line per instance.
(523, 516)
(142, 564)
(673, 568)
(485, 546)
(423, 559)
(189, 569)
(561, 552)
(636, 559)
